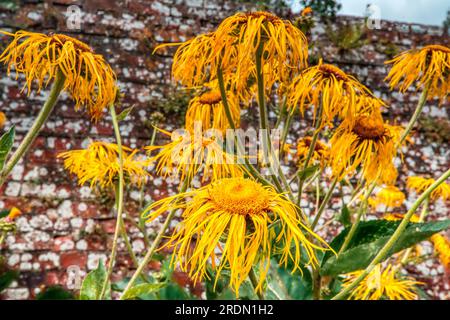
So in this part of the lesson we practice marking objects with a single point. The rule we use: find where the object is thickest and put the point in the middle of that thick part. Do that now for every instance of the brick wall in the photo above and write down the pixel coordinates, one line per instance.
(65, 224)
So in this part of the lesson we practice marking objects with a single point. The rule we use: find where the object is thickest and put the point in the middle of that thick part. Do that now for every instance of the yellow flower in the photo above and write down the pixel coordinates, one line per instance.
(13, 214)
(371, 144)
(320, 154)
(190, 153)
(390, 196)
(208, 110)
(99, 164)
(233, 47)
(229, 220)
(396, 216)
(420, 184)
(428, 66)
(2, 120)
(89, 78)
(381, 284)
(330, 87)
(442, 247)
(306, 11)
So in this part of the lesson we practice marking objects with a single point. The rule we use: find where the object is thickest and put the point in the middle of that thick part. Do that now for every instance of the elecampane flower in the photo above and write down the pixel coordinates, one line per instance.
(389, 196)
(420, 184)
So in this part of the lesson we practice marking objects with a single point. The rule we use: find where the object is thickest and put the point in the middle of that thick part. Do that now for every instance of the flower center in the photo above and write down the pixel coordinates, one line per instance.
(62, 38)
(239, 196)
(318, 146)
(332, 70)
(369, 128)
(211, 97)
(267, 16)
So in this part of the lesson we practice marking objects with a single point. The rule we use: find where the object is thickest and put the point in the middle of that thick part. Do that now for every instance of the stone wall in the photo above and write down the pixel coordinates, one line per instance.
(64, 224)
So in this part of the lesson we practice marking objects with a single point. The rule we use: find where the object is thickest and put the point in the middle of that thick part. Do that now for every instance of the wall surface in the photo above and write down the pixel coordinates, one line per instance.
(64, 224)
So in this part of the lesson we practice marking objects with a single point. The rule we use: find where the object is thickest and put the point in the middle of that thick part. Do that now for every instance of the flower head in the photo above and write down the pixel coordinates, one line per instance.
(209, 110)
(99, 164)
(232, 216)
(420, 184)
(88, 77)
(382, 284)
(320, 153)
(442, 247)
(190, 153)
(233, 47)
(330, 87)
(369, 143)
(390, 196)
(429, 66)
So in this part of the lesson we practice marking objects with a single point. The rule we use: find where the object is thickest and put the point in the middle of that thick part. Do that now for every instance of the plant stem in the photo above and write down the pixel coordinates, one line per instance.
(361, 210)
(384, 252)
(417, 112)
(153, 247)
(310, 154)
(42, 117)
(324, 204)
(317, 284)
(119, 200)
(254, 281)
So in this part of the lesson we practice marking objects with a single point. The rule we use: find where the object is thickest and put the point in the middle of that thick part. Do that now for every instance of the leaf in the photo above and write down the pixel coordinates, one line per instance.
(287, 286)
(308, 172)
(55, 293)
(6, 278)
(369, 238)
(4, 213)
(93, 283)
(344, 217)
(6, 143)
(143, 288)
(124, 114)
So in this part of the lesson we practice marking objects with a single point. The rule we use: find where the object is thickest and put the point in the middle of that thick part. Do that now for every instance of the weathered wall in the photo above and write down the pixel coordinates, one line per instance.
(63, 224)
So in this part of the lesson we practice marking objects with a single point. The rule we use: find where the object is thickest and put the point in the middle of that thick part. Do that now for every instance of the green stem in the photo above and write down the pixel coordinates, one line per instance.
(119, 199)
(361, 210)
(317, 284)
(42, 117)
(324, 204)
(417, 112)
(310, 154)
(254, 281)
(385, 251)
(153, 247)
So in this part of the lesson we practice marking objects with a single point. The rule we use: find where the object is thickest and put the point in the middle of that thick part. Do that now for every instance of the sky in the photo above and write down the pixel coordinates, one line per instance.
(432, 12)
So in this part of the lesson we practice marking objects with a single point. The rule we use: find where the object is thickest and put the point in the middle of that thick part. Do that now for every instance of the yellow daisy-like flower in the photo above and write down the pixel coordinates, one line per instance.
(88, 77)
(390, 196)
(429, 66)
(420, 184)
(320, 154)
(442, 247)
(381, 284)
(190, 153)
(330, 87)
(99, 164)
(233, 47)
(371, 144)
(229, 220)
(208, 110)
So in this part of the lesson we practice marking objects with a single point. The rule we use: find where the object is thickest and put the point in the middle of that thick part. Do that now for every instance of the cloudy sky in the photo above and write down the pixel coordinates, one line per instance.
(418, 11)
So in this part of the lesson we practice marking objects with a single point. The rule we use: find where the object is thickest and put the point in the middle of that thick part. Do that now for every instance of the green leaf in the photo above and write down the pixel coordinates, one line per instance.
(55, 293)
(369, 238)
(344, 217)
(4, 213)
(308, 172)
(287, 286)
(6, 278)
(6, 143)
(142, 289)
(124, 114)
(93, 283)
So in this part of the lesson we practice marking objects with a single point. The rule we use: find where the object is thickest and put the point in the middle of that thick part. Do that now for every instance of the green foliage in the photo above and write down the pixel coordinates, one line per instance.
(143, 289)
(446, 23)
(93, 283)
(11, 5)
(6, 278)
(435, 129)
(344, 216)
(285, 285)
(6, 143)
(124, 114)
(347, 37)
(369, 238)
(55, 293)
(326, 10)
